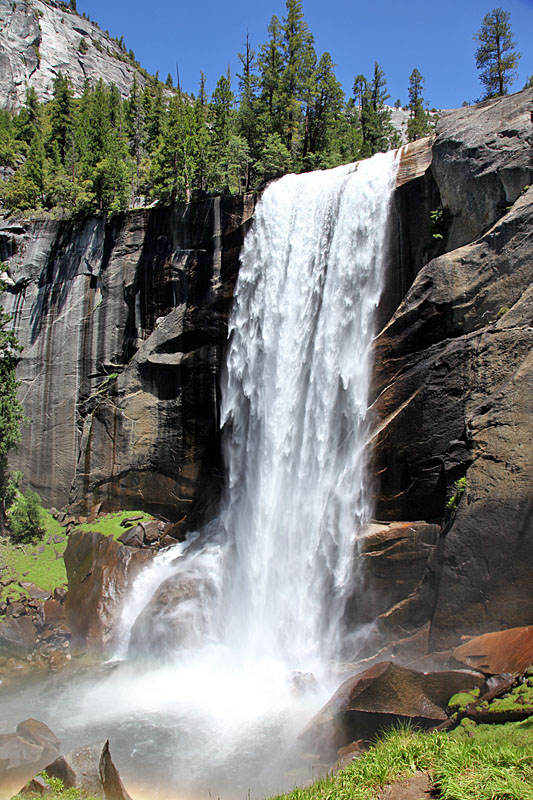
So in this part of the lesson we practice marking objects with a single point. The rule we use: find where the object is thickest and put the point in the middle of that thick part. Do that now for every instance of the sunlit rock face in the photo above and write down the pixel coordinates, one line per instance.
(41, 39)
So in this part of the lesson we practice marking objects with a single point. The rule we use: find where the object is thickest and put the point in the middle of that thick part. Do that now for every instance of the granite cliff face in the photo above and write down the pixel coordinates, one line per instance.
(123, 325)
(39, 38)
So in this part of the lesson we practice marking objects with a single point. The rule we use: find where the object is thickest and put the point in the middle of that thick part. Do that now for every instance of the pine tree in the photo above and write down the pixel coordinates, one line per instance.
(247, 113)
(378, 132)
(419, 124)
(297, 76)
(322, 117)
(271, 66)
(496, 54)
(62, 118)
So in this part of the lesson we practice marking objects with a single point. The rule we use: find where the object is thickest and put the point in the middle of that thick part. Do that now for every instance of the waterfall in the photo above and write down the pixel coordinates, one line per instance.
(201, 697)
(295, 391)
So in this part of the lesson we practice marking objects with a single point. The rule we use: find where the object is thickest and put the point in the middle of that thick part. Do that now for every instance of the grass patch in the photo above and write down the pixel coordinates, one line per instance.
(36, 562)
(110, 524)
(40, 562)
(494, 763)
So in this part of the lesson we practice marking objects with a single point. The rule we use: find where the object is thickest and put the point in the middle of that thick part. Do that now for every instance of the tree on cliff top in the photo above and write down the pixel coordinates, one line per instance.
(496, 54)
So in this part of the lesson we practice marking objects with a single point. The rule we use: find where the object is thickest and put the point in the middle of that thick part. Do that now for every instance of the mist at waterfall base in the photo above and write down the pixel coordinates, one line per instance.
(219, 638)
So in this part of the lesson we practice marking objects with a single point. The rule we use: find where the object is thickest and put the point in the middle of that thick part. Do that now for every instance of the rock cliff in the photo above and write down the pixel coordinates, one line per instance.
(123, 325)
(39, 38)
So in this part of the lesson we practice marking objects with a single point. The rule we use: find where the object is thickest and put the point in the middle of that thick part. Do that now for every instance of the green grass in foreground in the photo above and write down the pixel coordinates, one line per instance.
(496, 764)
(41, 563)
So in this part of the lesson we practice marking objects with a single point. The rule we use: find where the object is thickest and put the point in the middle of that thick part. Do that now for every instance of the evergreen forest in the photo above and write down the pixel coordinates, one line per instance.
(285, 111)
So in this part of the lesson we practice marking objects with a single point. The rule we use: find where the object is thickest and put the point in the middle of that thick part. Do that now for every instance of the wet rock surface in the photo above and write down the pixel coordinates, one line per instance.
(384, 695)
(508, 651)
(99, 571)
(453, 381)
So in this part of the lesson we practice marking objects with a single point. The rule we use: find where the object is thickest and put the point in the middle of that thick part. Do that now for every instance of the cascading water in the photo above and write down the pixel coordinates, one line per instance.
(260, 594)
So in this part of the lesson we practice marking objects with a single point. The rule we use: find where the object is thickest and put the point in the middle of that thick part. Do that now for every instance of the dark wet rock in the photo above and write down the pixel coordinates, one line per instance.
(509, 651)
(168, 541)
(382, 696)
(453, 383)
(99, 572)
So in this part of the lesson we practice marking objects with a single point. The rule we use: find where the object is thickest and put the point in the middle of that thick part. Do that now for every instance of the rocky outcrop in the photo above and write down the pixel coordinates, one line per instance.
(99, 571)
(123, 325)
(382, 696)
(40, 38)
(453, 382)
(91, 771)
(508, 651)
(28, 750)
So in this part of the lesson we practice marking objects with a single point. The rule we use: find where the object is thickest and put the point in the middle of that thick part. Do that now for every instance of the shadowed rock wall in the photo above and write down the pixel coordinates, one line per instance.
(123, 324)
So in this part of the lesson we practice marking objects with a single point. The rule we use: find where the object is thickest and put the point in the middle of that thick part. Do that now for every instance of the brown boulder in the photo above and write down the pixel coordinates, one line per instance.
(53, 612)
(501, 651)
(99, 571)
(152, 530)
(382, 695)
(37, 732)
(134, 537)
(90, 770)
(17, 636)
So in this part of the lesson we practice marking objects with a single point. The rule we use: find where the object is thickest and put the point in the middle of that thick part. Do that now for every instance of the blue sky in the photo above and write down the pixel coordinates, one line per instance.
(206, 35)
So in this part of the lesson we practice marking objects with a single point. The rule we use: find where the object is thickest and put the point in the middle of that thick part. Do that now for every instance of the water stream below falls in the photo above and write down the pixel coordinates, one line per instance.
(226, 641)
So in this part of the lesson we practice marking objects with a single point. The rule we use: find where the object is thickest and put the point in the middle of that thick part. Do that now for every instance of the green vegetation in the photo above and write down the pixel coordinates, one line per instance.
(110, 525)
(459, 486)
(439, 221)
(495, 763)
(36, 562)
(419, 124)
(58, 791)
(461, 700)
(41, 562)
(496, 54)
(26, 518)
(286, 111)
(503, 310)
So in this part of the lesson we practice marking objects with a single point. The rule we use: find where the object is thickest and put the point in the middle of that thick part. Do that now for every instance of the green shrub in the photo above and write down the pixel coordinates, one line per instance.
(26, 521)
(503, 310)
(459, 486)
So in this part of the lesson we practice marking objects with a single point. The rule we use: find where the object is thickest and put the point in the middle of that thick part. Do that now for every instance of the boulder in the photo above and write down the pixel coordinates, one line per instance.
(17, 636)
(384, 695)
(99, 571)
(152, 530)
(134, 537)
(499, 652)
(28, 750)
(53, 612)
(90, 770)
(175, 617)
